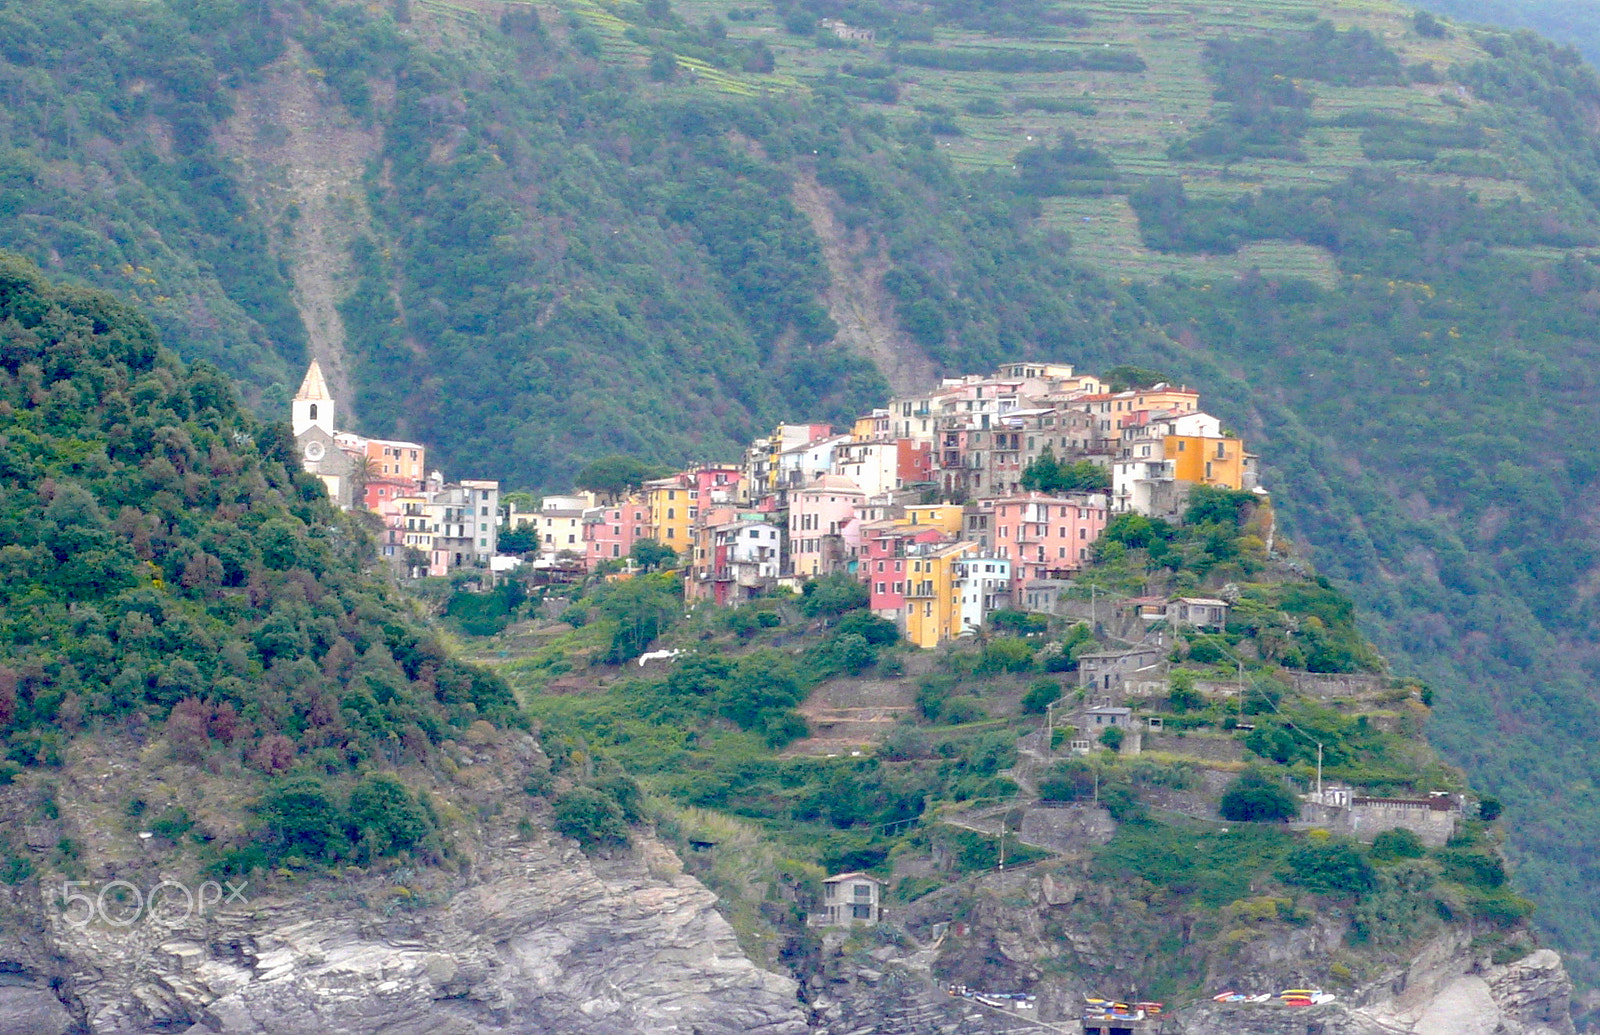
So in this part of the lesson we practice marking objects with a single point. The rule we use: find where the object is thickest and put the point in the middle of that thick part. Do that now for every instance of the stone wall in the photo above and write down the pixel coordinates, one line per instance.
(1364, 822)
(1329, 686)
(1210, 747)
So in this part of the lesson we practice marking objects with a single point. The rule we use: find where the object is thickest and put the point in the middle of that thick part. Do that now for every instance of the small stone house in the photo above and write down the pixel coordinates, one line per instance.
(852, 899)
(1097, 719)
(1107, 669)
(1198, 612)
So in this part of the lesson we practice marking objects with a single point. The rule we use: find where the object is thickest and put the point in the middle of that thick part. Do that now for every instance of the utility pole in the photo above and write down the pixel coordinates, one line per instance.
(1319, 772)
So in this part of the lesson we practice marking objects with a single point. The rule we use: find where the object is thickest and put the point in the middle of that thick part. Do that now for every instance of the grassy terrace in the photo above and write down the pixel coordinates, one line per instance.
(1134, 116)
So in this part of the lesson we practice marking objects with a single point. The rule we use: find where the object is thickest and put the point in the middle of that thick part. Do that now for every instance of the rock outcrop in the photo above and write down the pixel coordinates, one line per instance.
(521, 932)
(543, 940)
(1046, 933)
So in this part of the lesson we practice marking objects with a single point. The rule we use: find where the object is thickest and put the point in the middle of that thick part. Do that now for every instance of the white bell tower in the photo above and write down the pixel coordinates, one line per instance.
(313, 404)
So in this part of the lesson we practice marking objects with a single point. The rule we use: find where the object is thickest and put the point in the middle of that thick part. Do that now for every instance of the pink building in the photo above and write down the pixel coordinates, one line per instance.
(884, 565)
(818, 517)
(379, 492)
(1045, 537)
(610, 532)
(718, 484)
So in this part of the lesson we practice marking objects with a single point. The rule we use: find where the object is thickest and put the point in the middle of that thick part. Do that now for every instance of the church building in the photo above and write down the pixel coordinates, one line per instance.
(312, 420)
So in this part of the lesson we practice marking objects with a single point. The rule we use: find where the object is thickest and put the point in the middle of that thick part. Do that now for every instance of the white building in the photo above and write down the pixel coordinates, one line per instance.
(982, 586)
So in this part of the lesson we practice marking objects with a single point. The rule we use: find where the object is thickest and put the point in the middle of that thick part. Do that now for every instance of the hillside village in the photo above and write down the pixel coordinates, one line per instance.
(985, 494)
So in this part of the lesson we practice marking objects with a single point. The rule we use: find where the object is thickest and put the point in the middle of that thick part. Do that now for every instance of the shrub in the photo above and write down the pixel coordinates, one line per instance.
(959, 710)
(1112, 737)
(880, 632)
(1472, 867)
(832, 595)
(1398, 843)
(1006, 654)
(1256, 797)
(1070, 780)
(1329, 867)
(301, 818)
(590, 817)
(623, 790)
(387, 817)
(1041, 694)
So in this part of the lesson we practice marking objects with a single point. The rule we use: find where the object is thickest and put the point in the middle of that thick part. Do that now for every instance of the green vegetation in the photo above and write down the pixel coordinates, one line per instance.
(1256, 797)
(587, 234)
(1047, 474)
(170, 570)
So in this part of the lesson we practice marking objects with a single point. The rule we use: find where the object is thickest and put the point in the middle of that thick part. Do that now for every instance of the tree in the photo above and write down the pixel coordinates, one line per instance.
(522, 539)
(832, 595)
(1182, 696)
(1213, 504)
(652, 556)
(1112, 737)
(1256, 797)
(1125, 377)
(1041, 694)
(1046, 474)
(613, 476)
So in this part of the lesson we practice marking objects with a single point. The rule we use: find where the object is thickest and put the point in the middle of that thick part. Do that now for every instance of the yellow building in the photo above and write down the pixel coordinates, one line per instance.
(874, 427)
(933, 601)
(1205, 460)
(946, 517)
(673, 509)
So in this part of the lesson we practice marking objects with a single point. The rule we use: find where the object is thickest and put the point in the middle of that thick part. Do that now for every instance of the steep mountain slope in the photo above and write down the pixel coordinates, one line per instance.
(588, 227)
(242, 787)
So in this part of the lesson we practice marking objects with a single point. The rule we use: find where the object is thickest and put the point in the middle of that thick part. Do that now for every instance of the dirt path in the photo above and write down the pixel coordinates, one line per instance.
(301, 158)
(857, 300)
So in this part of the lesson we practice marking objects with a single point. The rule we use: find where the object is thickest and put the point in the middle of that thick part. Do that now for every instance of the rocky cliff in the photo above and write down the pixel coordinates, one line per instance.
(1047, 931)
(529, 935)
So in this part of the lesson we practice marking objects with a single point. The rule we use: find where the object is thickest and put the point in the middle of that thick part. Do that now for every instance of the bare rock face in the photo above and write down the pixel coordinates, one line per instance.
(544, 940)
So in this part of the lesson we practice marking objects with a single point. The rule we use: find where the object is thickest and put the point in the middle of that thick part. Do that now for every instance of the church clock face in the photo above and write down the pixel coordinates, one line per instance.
(315, 451)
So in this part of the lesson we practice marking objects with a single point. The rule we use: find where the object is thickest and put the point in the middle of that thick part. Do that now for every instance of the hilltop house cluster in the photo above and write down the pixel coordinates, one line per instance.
(430, 526)
(808, 501)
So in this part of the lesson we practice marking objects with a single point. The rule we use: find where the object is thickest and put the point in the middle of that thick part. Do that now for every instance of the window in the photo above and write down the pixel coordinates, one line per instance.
(483, 511)
(672, 533)
(882, 588)
(313, 411)
(672, 513)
